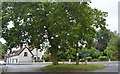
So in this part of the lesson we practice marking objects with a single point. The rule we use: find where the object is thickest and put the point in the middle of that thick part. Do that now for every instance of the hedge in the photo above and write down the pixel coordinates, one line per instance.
(89, 58)
(103, 58)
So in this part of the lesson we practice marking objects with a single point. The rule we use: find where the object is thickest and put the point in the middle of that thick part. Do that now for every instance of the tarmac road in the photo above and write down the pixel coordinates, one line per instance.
(111, 67)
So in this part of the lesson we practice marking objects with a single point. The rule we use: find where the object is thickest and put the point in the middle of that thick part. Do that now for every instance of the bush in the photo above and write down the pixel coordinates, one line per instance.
(46, 57)
(113, 59)
(63, 60)
(94, 60)
(82, 60)
(89, 58)
(103, 58)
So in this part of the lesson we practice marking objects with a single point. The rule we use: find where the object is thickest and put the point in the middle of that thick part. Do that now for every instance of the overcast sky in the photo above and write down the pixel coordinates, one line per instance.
(110, 6)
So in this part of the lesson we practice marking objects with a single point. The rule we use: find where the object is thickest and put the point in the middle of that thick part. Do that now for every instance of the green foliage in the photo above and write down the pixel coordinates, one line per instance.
(109, 51)
(61, 55)
(62, 24)
(70, 53)
(103, 36)
(89, 58)
(95, 60)
(82, 60)
(46, 57)
(103, 58)
(94, 53)
(112, 48)
(3, 50)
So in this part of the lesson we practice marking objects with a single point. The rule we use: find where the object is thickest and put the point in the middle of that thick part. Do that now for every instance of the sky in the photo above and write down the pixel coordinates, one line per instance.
(110, 6)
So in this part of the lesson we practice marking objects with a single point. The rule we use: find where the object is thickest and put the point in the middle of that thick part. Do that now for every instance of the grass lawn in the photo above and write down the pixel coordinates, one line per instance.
(72, 67)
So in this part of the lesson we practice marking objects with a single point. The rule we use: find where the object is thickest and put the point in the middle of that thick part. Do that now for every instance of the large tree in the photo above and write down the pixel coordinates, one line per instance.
(85, 21)
(103, 37)
(61, 24)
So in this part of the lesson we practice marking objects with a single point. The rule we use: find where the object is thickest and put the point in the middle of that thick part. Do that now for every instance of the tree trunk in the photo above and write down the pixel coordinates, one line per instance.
(54, 56)
(54, 49)
(77, 55)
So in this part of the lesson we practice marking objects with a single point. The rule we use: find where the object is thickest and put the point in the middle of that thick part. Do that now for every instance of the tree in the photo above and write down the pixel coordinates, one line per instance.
(3, 50)
(103, 37)
(61, 55)
(70, 52)
(33, 29)
(112, 46)
(94, 55)
(85, 22)
(62, 24)
(118, 52)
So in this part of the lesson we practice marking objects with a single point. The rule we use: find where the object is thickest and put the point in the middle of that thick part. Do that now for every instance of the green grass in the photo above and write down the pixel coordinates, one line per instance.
(72, 67)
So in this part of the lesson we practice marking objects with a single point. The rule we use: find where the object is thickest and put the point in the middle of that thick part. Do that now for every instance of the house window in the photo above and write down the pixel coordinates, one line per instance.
(12, 60)
(16, 60)
(25, 54)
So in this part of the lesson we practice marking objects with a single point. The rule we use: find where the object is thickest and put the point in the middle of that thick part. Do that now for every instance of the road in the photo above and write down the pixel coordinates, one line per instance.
(23, 68)
(111, 67)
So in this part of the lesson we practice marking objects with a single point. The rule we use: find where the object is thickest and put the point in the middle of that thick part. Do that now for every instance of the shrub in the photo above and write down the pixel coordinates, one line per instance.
(103, 58)
(46, 57)
(89, 58)
(82, 60)
(113, 59)
(94, 60)
(63, 60)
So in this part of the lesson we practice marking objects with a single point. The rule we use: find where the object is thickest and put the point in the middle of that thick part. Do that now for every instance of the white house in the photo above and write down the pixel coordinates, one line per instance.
(24, 56)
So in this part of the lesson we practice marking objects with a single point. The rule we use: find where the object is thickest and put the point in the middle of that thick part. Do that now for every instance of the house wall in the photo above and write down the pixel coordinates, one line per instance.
(21, 59)
(13, 60)
(39, 53)
(25, 59)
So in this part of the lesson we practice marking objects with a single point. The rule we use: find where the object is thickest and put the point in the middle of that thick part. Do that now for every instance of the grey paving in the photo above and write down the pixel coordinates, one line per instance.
(111, 67)
(25, 68)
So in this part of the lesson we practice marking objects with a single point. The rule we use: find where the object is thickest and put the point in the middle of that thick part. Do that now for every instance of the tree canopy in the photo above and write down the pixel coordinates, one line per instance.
(103, 37)
(61, 24)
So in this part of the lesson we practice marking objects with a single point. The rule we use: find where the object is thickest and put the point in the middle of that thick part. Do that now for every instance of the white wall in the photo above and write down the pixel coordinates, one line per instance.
(14, 60)
(39, 53)
(25, 59)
